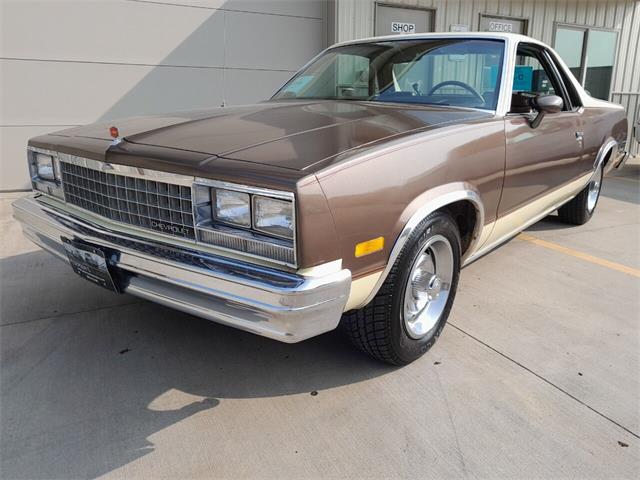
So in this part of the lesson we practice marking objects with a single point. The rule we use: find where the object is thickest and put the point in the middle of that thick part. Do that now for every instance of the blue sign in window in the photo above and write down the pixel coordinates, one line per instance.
(523, 79)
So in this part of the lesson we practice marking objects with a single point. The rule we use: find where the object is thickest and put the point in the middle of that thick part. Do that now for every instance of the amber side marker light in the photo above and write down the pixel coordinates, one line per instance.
(370, 246)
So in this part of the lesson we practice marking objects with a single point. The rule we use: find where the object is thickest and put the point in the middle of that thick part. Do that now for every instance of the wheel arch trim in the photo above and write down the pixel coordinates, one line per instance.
(609, 145)
(423, 206)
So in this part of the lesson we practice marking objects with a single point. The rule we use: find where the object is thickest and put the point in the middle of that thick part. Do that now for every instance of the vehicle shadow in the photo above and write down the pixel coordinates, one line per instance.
(624, 185)
(550, 222)
(83, 393)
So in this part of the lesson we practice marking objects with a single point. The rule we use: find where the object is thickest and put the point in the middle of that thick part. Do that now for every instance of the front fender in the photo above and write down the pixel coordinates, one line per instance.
(419, 209)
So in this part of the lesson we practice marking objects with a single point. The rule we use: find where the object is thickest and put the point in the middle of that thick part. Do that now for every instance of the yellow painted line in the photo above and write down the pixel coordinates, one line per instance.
(581, 255)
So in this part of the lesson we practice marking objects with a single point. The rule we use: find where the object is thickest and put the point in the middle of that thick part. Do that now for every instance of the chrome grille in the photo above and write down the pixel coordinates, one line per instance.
(150, 204)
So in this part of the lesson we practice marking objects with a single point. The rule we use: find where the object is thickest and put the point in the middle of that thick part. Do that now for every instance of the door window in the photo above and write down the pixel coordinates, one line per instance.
(530, 75)
(534, 75)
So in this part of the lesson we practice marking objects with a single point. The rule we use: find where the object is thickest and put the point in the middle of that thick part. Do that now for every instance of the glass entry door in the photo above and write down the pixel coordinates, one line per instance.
(590, 54)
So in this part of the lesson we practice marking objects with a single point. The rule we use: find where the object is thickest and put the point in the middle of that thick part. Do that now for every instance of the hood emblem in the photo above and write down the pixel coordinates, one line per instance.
(115, 134)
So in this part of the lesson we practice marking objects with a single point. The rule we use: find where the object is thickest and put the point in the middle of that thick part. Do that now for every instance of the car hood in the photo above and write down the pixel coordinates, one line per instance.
(297, 135)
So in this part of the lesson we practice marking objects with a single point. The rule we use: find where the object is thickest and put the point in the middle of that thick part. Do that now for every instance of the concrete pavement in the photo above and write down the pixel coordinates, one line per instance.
(536, 375)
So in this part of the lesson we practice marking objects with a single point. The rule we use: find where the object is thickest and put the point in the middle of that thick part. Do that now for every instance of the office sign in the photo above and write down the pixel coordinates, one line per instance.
(497, 24)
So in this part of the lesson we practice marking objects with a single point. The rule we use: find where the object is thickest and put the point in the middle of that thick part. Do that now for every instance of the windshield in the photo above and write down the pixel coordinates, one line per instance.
(459, 72)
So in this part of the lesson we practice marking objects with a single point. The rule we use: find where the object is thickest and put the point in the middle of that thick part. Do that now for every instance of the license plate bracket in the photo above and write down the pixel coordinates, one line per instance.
(91, 263)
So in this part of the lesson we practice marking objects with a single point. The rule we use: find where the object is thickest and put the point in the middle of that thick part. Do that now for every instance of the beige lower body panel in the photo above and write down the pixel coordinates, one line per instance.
(361, 288)
(513, 223)
(492, 235)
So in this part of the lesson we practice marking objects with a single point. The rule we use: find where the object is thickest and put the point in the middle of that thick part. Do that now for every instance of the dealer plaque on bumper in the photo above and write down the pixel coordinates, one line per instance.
(90, 263)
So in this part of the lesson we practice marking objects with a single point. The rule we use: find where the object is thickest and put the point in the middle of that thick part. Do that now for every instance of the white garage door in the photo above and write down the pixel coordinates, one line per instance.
(66, 63)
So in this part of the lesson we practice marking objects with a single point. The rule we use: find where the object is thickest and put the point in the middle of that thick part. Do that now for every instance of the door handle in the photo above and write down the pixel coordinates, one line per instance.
(580, 137)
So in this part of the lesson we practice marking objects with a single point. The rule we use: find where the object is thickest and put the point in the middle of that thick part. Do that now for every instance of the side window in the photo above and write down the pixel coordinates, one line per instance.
(530, 75)
(534, 76)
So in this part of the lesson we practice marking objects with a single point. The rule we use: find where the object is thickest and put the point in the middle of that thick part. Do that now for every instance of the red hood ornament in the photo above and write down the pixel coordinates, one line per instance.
(115, 134)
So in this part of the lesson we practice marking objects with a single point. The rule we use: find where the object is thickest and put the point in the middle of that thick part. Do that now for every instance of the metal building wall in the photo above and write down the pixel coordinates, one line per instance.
(355, 19)
(72, 62)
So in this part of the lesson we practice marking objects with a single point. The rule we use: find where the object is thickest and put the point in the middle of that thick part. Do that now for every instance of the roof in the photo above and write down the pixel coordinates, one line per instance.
(511, 39)
(508, 37)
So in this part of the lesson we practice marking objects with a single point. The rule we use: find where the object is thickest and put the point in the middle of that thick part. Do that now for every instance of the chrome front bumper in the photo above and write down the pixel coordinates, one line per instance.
(288, 307)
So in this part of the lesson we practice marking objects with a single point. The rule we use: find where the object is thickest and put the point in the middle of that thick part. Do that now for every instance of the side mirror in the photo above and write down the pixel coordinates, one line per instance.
(544, 104)
(548, 103)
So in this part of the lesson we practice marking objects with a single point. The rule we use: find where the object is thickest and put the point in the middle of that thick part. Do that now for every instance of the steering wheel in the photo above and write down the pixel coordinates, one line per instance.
(456, 83)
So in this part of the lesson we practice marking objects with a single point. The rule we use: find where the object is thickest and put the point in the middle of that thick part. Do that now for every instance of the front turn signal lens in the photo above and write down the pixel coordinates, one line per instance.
(369, 247)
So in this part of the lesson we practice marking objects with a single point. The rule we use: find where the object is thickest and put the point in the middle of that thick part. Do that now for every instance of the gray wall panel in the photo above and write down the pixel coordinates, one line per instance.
(102, 91)
(299, 8)
(115, 31)
(70, 62)
(13, 153)
(271, 42)
(251, 86)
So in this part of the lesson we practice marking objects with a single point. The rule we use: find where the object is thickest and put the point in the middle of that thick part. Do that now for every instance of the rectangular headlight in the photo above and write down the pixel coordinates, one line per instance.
(273, 216)
(44, 167)
(232, 207)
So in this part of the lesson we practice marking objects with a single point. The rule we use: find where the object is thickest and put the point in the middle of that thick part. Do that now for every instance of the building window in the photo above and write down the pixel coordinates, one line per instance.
(590, 55)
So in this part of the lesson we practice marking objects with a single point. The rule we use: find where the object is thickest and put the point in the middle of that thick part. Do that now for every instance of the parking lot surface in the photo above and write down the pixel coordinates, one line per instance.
(536, 375)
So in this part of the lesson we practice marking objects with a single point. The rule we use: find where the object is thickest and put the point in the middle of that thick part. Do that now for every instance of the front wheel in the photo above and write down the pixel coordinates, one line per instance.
(406, 317)
(580, 209)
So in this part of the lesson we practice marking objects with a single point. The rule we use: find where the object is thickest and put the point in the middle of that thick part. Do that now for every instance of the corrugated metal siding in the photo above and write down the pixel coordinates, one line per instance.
(65, 63)
(355, 19)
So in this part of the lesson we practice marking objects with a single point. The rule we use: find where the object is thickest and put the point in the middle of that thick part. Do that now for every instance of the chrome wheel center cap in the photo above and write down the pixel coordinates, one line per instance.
(434, 287)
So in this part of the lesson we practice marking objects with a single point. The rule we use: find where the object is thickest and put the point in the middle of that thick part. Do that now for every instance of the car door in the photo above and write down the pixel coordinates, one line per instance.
(540, 160)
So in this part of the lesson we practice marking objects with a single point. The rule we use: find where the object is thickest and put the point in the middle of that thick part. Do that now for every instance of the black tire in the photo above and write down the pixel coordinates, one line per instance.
(576, 211)
(378, 328)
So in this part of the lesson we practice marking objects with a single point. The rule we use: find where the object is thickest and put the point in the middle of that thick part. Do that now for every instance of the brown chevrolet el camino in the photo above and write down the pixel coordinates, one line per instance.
(353, 196)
